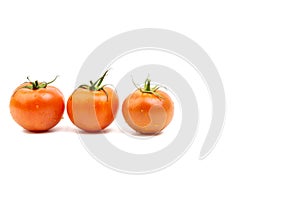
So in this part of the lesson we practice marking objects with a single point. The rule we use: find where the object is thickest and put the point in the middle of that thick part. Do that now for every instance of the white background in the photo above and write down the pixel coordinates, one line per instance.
(255, 46)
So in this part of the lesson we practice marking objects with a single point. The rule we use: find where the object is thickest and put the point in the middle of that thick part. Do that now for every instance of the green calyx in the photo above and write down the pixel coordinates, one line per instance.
(35, 85)
(148, 89)
(96, 86)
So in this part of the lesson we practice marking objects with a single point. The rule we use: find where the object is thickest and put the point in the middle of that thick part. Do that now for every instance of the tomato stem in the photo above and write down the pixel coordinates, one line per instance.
(37, 85)
(147, 88)
(96, 86)
(52, 80)
(147, 85)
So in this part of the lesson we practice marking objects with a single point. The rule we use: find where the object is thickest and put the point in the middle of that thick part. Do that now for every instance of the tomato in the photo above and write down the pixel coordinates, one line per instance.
(148, 110)
(93, 107)
(36, 106)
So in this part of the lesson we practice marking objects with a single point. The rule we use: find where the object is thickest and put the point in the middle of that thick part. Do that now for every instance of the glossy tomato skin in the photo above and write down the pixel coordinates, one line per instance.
(148, 113)
(92, 111)
(37, 110)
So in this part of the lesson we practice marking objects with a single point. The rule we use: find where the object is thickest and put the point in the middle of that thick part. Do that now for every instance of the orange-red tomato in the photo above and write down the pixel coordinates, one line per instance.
(93, 108)
(36, 106)
(148, 110)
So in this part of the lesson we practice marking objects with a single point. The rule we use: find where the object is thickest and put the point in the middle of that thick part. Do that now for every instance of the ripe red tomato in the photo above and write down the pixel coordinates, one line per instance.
(93, 107)
(148, 110)
(36, 106)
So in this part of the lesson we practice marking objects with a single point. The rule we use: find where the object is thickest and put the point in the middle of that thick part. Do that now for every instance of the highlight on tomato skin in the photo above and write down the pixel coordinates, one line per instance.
(93, 107)
(148, 110)
(36, 106)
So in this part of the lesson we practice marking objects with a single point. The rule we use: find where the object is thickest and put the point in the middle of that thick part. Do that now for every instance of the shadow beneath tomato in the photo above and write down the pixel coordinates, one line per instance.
(105, 131)
(39, 132)
(146, 134)
(71, 129)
